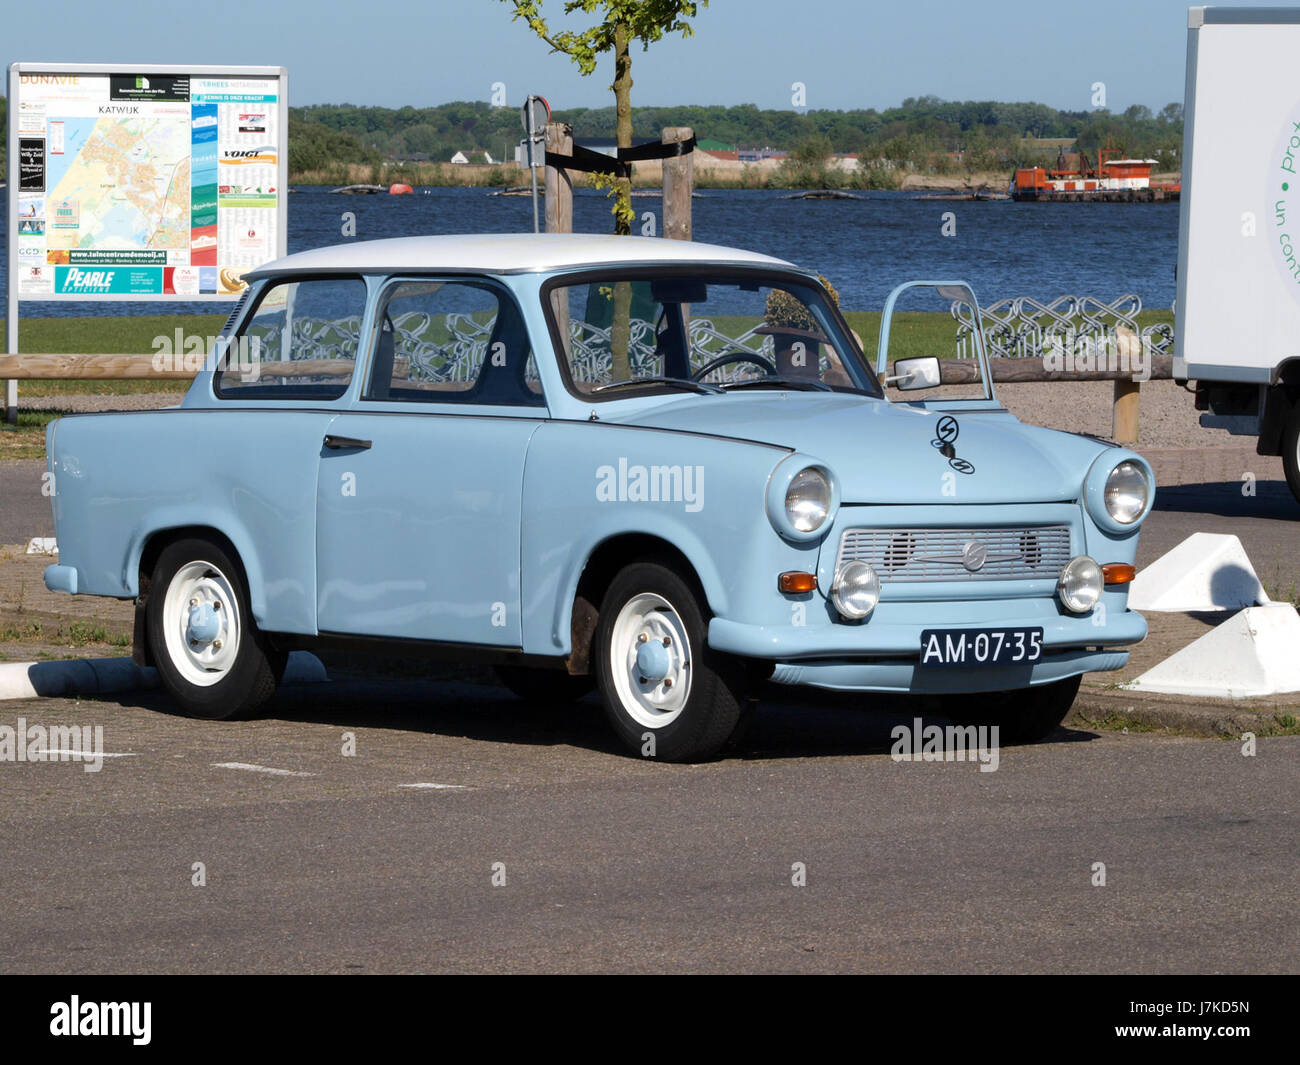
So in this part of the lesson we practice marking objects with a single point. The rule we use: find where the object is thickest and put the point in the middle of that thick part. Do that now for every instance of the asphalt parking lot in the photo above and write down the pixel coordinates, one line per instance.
(471, 831)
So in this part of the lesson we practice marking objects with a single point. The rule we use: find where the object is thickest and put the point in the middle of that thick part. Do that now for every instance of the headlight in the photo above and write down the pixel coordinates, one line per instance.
(808, 500)
(1080, 584)
(1127, 492)
(856, 590)
(1118, 492)
(801, 498)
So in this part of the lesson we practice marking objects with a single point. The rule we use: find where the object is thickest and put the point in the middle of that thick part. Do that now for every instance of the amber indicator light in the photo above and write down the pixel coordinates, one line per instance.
(1118, 572)
(796, 581)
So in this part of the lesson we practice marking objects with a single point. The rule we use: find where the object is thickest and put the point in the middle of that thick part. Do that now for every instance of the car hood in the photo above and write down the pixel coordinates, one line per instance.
(886, 453)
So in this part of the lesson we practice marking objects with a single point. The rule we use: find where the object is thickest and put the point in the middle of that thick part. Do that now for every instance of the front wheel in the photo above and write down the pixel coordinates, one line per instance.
(209, 653)
(667, 695)
(1025, 715)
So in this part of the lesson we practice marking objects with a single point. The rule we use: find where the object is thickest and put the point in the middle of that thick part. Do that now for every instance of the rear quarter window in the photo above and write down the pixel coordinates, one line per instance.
(300, 342)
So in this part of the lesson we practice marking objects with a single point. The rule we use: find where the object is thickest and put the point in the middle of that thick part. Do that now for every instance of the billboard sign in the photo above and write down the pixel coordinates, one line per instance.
(146, 182)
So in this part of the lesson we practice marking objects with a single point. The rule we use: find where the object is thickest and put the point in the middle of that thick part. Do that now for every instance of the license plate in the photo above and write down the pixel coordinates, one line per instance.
(980, 647)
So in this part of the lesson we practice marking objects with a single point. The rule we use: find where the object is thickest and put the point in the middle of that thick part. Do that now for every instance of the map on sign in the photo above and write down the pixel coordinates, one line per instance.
(121, 183)
(146, 185)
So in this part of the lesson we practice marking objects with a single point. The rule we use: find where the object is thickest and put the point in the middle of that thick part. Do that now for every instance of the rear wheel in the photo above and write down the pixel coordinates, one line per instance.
(1025, 715)
(1291, 451)
(667, 695)
(209, 653)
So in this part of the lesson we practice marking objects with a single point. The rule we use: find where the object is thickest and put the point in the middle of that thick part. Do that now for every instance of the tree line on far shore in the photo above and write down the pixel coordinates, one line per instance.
(925, 135)
(920, 135)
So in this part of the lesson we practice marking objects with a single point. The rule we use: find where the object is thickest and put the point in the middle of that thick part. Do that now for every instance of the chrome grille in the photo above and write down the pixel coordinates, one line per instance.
(1012, 553)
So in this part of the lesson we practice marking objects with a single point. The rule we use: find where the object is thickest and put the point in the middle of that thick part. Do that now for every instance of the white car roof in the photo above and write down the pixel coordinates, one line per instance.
(502, 253)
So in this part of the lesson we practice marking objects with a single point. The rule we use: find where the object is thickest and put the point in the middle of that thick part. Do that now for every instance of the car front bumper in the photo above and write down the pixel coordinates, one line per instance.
(883, 653)
(913, 678)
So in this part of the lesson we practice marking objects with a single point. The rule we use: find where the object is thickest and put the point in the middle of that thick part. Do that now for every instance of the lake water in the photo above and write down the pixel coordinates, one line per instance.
(863, 246)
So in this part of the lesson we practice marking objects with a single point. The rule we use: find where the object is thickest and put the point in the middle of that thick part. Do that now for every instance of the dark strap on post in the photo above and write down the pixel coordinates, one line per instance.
(589, 162)
(656, 150)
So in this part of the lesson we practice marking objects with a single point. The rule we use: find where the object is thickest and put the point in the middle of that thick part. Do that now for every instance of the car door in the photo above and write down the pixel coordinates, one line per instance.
(420, 483)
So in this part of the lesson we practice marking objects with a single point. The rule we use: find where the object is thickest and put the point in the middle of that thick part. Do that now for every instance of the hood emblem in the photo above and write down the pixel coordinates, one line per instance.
(945, 436)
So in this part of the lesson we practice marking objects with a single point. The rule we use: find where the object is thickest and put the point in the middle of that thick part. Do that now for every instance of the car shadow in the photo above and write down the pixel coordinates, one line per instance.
(825, 724)
(812, 725)
(1271, 499)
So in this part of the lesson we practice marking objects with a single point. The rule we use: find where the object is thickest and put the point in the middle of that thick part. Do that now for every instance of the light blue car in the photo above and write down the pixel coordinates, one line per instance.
(664, 469)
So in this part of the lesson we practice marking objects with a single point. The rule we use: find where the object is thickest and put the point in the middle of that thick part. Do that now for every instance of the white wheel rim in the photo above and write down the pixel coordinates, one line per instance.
(201, 623)
(650, 659)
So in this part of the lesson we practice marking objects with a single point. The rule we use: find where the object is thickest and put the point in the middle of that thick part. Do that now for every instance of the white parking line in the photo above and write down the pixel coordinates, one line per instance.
(439, 787)
(261, 769)
(105, 754)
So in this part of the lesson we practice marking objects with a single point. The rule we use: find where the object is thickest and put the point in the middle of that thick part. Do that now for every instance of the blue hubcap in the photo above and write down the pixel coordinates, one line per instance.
(652, 660)
(204, 625)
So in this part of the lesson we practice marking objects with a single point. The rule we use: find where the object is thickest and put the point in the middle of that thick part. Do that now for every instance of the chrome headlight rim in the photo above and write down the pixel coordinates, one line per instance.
(1139, 487)
(778, 488)
(808, 514)
(864, 575)
(1094, 491)
(1096, 583)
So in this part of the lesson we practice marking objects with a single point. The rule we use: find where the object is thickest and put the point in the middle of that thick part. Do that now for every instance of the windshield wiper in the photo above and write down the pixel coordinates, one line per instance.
(680, 382)
(806, 384)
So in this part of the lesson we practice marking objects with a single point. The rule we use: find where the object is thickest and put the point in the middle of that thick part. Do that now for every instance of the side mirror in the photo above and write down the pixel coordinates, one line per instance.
(911, 374)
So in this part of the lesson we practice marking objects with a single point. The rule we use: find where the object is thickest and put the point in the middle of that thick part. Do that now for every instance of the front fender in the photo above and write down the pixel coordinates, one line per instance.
(588, 482)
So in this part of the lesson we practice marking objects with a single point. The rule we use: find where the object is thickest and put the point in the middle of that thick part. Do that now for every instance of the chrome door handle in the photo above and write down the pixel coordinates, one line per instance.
(340, 443)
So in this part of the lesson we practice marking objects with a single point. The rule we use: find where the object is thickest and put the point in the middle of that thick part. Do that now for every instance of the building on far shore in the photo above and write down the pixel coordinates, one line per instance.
(758, 155)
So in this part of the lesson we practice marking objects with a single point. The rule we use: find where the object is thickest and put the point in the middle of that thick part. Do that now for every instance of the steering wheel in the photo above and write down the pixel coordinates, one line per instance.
(728, 357)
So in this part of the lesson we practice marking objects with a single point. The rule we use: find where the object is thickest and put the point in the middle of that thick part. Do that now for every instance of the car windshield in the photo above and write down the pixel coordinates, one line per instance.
(664, 332)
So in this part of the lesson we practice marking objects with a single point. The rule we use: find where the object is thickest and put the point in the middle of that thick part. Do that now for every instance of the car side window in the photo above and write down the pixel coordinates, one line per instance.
(450, 341)
(300, 342)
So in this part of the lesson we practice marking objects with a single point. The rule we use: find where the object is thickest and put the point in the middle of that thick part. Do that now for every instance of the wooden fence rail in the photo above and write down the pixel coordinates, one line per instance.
(141, 367)
(1124, 425)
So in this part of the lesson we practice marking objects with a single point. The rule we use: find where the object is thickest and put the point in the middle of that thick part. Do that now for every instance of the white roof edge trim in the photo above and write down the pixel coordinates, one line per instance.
(509, 253)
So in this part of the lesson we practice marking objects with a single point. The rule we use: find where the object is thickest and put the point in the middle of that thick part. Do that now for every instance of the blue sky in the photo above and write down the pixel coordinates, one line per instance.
(848, 54)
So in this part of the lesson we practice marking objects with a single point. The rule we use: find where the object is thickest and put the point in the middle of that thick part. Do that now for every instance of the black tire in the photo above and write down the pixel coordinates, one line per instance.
(1025, 715)
(714, 703)
(246, 674)
(550, 686)
(1291, 451)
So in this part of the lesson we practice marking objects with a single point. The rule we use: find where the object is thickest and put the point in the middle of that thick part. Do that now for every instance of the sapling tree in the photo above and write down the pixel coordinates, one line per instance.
(622, 24)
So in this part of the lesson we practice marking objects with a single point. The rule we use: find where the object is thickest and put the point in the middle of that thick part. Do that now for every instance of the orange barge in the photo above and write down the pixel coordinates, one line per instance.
(1074, 179)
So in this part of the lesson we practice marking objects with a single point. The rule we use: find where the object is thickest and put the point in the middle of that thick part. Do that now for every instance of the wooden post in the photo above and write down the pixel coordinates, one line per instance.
(679, 183)
(1124, 424)
(559, 186)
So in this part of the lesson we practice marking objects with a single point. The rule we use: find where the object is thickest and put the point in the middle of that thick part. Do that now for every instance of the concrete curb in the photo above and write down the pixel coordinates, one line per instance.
(1201, 717)
(111, 676)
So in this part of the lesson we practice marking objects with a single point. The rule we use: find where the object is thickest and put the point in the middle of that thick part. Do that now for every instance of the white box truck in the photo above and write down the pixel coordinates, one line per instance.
(1237, 316)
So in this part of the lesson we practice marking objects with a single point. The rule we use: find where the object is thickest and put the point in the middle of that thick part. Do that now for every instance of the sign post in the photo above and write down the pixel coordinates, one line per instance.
(146, 182)
(535, 113)
(11, 269)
